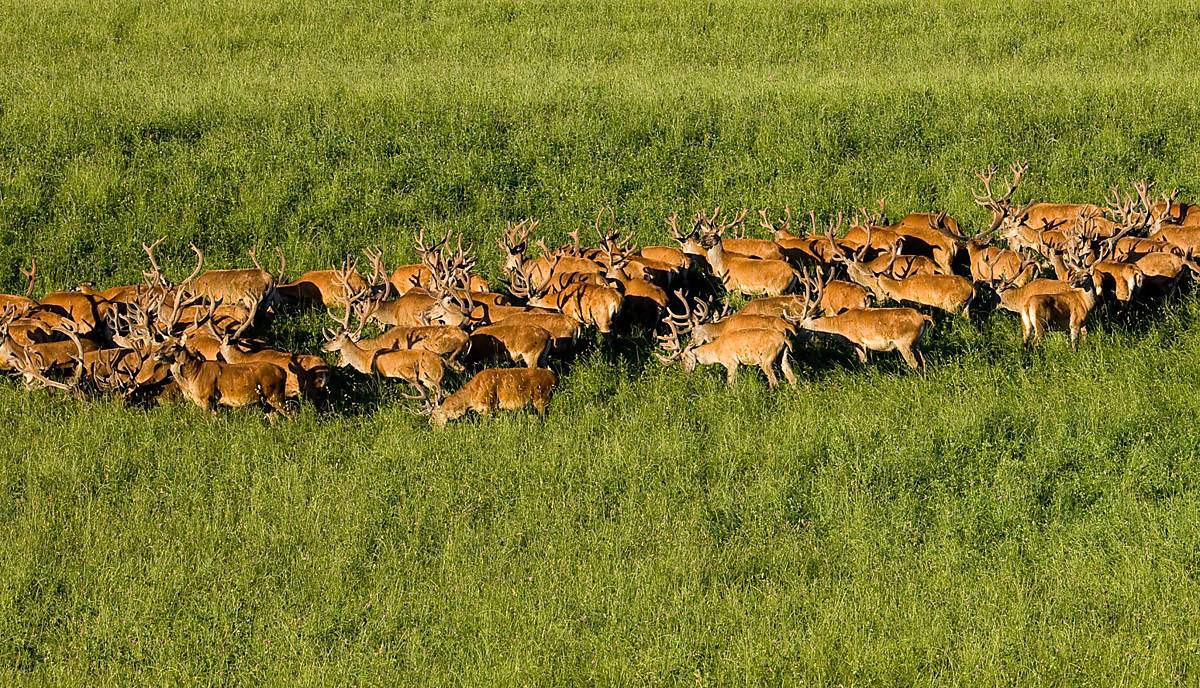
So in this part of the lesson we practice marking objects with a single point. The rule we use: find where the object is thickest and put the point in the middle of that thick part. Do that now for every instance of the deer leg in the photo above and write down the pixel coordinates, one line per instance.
(906, 353)
(768, 370)
(730, 373)
(862, 354)
(786, 366)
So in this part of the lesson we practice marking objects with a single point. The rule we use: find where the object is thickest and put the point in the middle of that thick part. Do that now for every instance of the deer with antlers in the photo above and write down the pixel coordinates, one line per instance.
(1183, 239)
(250, 288)
(590, 304)
(705, 326)
(307, 375)
(209, 384)
(771, 277)
(1036, 225)
(539, 271)
(950, 292)
(1168, 211)
(833, 297)
(325, 286)
(873, 329)
(761, 347)
(422, 369)
(1121, 278)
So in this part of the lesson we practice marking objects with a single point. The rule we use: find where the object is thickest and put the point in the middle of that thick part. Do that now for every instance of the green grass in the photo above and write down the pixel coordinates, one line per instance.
(1008, 517)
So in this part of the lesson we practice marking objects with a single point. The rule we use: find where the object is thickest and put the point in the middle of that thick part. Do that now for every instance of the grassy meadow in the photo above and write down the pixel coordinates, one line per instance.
(1007, 517)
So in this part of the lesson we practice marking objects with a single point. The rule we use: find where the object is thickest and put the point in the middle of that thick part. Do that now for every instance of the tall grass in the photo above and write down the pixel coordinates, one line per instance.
(1008, 517)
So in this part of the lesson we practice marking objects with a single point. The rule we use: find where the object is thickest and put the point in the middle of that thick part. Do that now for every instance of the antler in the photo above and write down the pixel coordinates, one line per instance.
(988, 198)
(670, 342)
(32, 275)
(673, 225)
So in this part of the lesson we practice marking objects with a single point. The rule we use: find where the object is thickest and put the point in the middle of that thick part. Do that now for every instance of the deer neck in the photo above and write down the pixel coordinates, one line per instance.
(858, 272)
(185, 365)
(886, 286)
(354, 356)
(1060, 268)
(716, 257)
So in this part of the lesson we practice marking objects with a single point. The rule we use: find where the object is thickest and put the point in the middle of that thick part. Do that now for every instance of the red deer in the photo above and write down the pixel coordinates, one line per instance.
(871, 329)
(209, 384)
(755, 347)
(740, 274)
(498, 389)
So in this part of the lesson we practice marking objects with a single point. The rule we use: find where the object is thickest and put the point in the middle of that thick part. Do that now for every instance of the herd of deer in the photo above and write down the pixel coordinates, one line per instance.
(157, 338)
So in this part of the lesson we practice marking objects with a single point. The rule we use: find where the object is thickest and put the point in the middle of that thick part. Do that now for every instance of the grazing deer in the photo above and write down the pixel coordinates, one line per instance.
(451, 343)
(498, 389)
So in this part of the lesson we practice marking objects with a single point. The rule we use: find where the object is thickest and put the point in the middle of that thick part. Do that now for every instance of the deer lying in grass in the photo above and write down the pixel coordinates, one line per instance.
(756, 347)
(325, 287)
(498, 389)
(51, 355)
